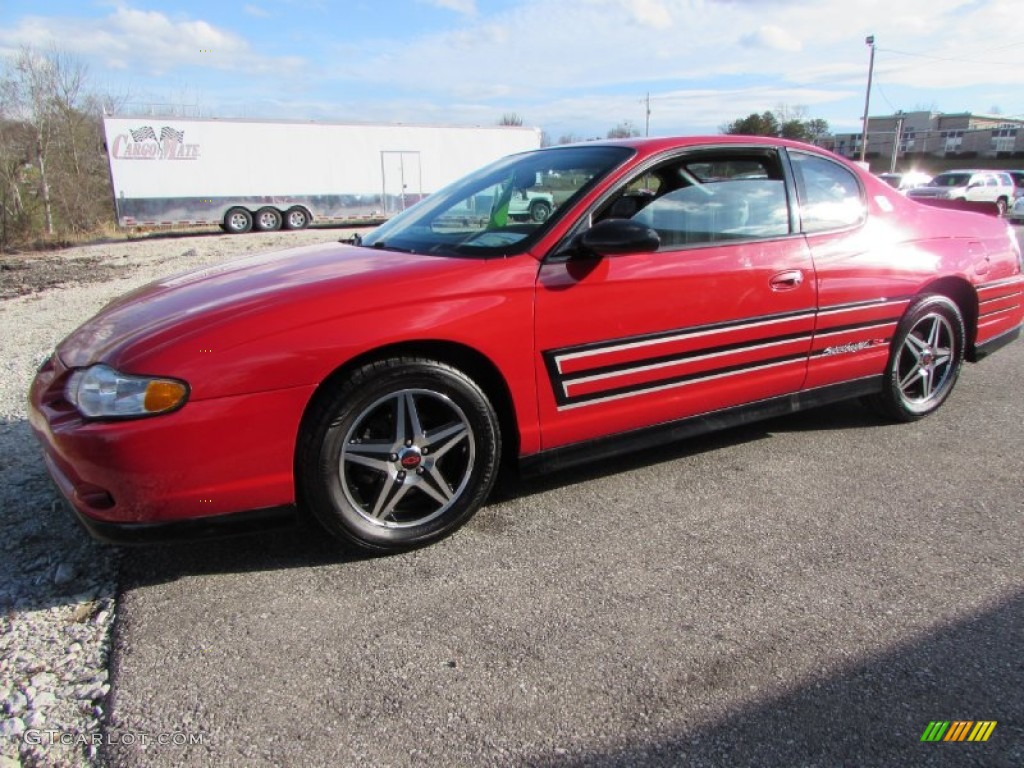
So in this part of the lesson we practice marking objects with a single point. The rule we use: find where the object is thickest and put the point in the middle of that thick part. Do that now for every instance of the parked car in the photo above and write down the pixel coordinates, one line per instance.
(1016, 214)
(1018, 183)
(682, 285)
(906, 180)
(975, 186)
(532, 205)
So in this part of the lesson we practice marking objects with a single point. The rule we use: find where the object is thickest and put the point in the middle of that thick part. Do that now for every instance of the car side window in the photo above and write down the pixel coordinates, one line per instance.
(710, 199)
(830, 195)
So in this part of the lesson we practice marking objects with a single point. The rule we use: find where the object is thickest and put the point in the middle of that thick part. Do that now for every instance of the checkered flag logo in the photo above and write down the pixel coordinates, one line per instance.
(141, 134)
(169, 133)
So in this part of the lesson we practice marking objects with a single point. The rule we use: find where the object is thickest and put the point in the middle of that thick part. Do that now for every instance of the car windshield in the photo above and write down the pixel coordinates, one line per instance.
(501, 209)
(951, 180)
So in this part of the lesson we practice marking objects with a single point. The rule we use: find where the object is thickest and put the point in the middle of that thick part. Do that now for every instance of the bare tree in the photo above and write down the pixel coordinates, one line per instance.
(28, 91)
(15, 218)
(52, 120)
(511, 119)
(623, 130)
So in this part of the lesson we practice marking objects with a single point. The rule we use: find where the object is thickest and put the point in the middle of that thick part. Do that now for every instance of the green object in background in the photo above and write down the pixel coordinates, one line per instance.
(499, 211)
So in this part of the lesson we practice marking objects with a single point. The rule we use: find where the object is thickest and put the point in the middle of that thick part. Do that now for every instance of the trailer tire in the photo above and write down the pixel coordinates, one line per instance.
(296, 218)
(267, 219)
(237, 221)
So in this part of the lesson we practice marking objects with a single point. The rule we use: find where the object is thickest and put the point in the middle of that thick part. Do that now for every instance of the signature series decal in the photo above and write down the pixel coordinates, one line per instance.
(843, 349)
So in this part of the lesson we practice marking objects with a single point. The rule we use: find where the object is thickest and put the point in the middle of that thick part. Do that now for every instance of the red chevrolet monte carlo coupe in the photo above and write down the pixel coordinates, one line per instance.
(678, 286)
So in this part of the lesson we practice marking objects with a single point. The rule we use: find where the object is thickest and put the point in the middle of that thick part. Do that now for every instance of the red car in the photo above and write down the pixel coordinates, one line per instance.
(678, 286)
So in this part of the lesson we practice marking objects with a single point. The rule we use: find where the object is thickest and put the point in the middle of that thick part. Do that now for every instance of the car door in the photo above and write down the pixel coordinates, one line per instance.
(720, 315)
(982, 187)
(863, 288)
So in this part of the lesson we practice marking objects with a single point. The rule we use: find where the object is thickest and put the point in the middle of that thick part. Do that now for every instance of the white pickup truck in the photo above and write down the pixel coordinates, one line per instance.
(534, 206)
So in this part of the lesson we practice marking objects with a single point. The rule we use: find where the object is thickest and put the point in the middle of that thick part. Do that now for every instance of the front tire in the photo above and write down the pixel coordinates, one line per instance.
(401, 453)
(927, 353)
(237, 221)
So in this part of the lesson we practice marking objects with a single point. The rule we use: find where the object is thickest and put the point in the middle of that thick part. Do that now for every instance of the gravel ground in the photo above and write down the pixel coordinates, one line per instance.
(58, 588)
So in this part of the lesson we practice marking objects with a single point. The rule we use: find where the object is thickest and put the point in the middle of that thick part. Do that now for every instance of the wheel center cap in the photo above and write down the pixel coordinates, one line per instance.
(410, 458)
(927, 358)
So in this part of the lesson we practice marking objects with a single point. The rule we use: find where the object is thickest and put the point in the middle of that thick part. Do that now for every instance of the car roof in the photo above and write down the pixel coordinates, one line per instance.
(652, 146)
(972, 170)
(666, 142)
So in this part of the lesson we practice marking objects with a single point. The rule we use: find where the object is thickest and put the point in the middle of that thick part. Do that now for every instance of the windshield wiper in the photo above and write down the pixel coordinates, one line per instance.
(381, 245)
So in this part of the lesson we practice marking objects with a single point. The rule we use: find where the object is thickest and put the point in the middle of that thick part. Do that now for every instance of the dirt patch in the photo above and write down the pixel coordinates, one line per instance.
(20, 276)
(23, 274)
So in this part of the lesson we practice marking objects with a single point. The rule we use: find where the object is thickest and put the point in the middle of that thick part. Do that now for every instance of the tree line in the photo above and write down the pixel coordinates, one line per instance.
(782, 122)
(54, 176)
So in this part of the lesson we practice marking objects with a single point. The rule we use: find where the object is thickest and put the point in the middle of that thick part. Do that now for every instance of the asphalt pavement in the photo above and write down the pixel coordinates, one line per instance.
(809, 591)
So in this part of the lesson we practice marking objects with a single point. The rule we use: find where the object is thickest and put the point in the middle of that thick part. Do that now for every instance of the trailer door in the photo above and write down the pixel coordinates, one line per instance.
(402, 179)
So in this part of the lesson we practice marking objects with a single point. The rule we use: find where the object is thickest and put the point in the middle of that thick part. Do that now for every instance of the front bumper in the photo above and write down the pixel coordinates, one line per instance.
(174, 475)
(215, 526)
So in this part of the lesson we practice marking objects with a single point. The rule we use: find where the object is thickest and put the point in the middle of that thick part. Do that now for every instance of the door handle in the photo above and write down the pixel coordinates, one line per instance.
(786, 281)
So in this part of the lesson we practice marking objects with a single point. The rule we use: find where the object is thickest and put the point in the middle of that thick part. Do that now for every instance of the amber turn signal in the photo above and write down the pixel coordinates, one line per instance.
(163, 395)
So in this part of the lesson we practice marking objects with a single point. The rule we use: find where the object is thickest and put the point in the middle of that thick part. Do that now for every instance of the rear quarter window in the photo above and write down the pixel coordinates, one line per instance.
(830, 195)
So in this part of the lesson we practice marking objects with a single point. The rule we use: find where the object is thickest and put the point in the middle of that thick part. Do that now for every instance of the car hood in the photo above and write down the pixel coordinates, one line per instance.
(281, 285)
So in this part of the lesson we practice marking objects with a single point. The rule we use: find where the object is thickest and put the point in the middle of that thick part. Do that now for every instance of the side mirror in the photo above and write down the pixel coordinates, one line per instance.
(617, 236)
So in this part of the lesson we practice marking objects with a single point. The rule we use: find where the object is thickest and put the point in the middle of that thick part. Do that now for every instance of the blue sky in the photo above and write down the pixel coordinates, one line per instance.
(574, 67)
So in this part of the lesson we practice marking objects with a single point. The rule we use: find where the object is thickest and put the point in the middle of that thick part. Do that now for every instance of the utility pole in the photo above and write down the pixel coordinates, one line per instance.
(647, 121)
(869, 40)
(896, 141)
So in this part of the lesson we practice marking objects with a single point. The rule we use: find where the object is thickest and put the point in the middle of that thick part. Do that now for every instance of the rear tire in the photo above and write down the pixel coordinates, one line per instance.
(296, 218)
(927, 353)
(399, 454)
(539, 211)
(237, 221)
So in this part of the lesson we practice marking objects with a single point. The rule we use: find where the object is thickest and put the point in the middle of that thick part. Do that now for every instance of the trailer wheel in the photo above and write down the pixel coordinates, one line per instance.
(296, 218)
(237, 221)
(267, 219)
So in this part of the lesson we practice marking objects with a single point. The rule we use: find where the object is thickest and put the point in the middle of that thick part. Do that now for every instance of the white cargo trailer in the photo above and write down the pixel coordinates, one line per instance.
(245, 174)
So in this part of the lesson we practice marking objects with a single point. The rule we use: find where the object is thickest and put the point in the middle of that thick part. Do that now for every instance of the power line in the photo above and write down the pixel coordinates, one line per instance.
(948, 58)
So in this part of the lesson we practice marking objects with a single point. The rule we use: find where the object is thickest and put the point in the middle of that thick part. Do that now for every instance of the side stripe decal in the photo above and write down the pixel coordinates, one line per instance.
(616, 361)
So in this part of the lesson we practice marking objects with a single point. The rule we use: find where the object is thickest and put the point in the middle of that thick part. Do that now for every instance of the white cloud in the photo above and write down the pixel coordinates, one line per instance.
(255, 10)
(144, 41)
(649, 13)
(773, 38)
(467, 7)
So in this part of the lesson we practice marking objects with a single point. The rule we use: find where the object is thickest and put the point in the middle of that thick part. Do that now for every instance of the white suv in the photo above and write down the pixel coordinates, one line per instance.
(980, 186)
(1016, 214)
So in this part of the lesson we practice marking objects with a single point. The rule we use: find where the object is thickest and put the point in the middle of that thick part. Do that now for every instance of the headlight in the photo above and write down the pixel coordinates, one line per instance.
(101, 392)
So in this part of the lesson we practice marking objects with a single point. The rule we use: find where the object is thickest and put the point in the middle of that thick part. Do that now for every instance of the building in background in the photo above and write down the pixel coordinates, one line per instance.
(937, 141)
